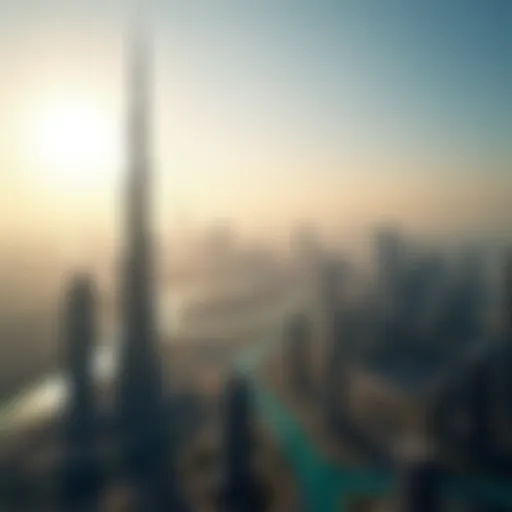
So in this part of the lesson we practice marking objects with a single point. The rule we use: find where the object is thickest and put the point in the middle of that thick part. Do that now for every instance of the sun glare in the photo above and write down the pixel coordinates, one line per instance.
(74, 142)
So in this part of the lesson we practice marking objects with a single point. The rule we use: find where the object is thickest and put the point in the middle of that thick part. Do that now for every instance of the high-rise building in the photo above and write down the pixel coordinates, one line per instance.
(481, 413)
(503, 370)
(145, 438)
(79, 339)
(326, 320)
(389, 262)
(419, 486)
(507, 297)
(80, 478)
(297, 354)
(241, 490)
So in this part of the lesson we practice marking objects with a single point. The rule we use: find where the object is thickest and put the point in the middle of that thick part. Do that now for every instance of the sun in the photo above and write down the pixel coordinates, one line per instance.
(73, 141)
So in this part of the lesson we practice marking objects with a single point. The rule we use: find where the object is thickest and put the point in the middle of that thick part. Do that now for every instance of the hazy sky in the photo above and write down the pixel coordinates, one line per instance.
(342, 109)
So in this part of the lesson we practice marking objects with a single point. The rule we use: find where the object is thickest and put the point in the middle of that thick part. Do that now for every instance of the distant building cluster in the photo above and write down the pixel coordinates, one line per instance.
(416, 357)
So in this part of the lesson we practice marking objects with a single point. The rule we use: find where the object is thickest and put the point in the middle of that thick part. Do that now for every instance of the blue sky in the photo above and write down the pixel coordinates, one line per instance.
(428, 76)
(261, 99)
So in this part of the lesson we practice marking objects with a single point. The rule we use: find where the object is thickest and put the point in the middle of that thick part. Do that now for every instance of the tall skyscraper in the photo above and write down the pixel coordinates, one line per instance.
(328, 309)
(390, 252)
(79, 338)
(505, 377)
(144, 431)
(80, 469)
(507, 297)
(419, 487)
(297, 354)
(140, 382)
(241, 491)
(480, 396)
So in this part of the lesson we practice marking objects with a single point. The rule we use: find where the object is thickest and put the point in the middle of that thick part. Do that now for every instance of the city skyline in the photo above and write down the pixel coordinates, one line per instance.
(347, 377)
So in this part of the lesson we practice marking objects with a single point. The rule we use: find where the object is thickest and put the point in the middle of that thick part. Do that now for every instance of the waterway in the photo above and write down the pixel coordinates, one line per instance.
(326, 486)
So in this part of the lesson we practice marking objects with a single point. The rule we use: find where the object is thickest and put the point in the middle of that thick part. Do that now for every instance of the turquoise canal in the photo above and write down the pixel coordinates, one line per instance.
(331, 487)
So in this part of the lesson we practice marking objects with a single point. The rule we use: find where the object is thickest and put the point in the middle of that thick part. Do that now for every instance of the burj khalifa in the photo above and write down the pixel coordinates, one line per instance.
(141, 403)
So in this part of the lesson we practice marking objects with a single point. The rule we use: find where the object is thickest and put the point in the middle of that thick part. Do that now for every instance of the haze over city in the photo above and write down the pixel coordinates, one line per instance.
(271, 230)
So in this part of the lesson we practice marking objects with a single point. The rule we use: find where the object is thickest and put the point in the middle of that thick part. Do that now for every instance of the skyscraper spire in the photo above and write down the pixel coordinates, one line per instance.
(140, 393)
(146, 444)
